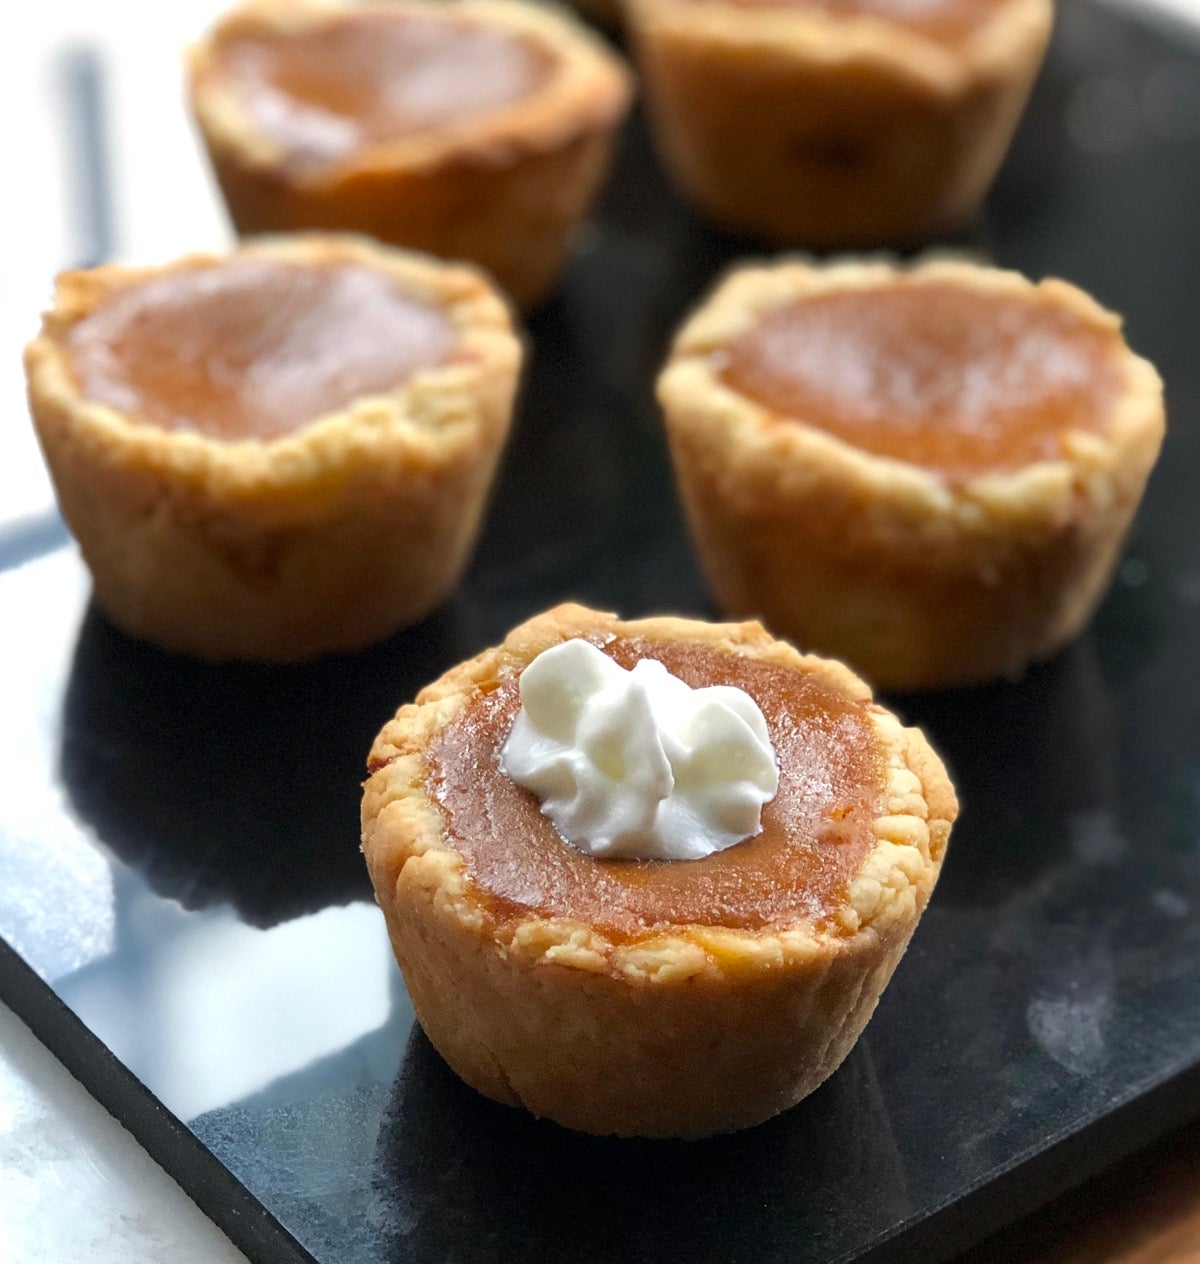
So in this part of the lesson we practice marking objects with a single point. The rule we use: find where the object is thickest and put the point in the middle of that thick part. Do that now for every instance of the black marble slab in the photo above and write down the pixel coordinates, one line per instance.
(192, 926)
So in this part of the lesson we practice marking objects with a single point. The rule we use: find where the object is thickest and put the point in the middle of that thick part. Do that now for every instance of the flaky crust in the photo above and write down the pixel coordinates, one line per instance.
(918, 583)
(816, 129)
(503, 190)
(325, 539)
(682, 1033)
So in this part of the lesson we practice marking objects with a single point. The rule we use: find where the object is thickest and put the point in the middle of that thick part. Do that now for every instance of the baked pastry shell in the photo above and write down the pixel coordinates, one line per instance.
(808, 128)
(917, 582)
(684, 1032)
(503, 190)
(328, 538)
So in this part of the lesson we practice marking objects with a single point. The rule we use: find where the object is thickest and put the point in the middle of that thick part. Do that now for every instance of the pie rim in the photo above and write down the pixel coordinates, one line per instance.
(588, 90)
(411, 855)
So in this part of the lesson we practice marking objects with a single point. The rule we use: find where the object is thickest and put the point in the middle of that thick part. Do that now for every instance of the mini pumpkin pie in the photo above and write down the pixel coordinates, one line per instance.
(926, 472)
(652, 997)
(477, 130)
(837, 123)
(279, 453)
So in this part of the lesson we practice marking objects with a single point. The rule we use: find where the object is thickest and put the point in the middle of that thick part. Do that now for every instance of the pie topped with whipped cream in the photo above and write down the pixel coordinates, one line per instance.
(815, 832)
(477, 129)
(657, 997)
(925, 471)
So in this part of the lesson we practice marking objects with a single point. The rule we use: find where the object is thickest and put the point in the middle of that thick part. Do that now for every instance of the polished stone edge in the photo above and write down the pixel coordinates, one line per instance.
(210, 1185)
(59, 1146)
(1007, 1195)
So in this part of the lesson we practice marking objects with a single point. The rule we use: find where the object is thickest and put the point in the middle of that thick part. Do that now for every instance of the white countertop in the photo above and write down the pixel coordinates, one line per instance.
(74, 1185)
(59, 1150)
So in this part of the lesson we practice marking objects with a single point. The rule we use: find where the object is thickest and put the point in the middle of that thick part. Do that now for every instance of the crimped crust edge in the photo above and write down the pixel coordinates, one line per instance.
(410, 857)
(589, 90)
(429, 420)
(1039, 496)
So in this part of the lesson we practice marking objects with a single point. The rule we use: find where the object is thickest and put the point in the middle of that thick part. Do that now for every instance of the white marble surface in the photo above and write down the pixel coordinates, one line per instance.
(74, 1185)
(58, 1149)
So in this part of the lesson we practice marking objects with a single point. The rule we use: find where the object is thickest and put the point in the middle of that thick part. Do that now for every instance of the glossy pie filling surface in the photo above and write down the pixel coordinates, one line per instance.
(963, 382)
(253, 348)
(323, 91)
(816, 831)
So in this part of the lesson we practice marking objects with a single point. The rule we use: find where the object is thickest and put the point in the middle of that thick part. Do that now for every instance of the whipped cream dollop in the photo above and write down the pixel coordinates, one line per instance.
(637, 764)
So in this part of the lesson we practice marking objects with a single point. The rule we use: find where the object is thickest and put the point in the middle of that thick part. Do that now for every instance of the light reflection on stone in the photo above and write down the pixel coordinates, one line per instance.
(56, 904)
(190, 1015)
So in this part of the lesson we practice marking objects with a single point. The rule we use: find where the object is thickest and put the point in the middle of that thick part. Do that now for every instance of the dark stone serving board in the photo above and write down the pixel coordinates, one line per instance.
(185, 903)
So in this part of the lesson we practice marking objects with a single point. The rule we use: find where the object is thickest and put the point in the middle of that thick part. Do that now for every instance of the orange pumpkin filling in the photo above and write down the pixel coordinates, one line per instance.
(253, 348)
(816, 831)
(323, 91)
(962, 382)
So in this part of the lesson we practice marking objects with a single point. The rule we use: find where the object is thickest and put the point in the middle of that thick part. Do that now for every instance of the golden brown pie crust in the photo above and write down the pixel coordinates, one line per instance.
(503, 190)
(917, 581)
(810, 128)
(327, 538)
(683, 1031)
